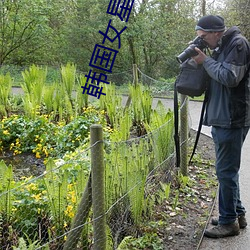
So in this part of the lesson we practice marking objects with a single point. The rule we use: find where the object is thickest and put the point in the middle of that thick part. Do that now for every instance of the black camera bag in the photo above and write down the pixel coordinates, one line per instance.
(192, 79)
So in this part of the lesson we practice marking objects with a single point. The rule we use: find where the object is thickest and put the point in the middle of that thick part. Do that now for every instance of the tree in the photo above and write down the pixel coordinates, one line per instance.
(237, 13)
(21, 21)
(82, 31)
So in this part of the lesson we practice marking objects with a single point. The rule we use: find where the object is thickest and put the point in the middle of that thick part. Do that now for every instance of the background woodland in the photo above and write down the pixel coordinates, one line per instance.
(55, 32)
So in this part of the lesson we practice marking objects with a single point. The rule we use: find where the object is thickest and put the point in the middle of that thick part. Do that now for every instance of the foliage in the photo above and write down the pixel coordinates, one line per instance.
(34, 81)
(22, 23)
(43, 137)
(6, 184)
(58, 32)
(68, 73)
(30, 204)
(147, 241)
(5, 89)
(51, 200)
(161, 126)
(113, 109)
(236, 13)
(141, 106)
(43, 206)
(22, 245)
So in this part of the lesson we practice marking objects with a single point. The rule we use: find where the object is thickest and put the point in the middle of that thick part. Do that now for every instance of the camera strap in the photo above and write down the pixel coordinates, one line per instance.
(199, 127)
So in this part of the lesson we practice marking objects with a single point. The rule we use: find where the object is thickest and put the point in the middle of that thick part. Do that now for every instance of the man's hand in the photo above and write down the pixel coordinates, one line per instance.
(200, 58)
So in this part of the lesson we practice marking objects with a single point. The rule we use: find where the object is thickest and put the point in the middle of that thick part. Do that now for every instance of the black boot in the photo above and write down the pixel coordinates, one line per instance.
(241, 219)
(221, 230)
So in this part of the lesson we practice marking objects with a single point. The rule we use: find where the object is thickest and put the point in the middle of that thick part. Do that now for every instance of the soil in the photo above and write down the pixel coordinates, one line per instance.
(187, 222)
(25, 164)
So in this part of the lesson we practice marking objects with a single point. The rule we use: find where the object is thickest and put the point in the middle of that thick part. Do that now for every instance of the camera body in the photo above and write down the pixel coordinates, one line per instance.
(190, 51)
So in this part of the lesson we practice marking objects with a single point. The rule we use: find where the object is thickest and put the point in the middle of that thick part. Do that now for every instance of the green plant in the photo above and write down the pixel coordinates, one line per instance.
(141, 104)
(113, 109)
(184, 181)
(56, 187)
(33, 86)
(176, 199)
(6, 196)
(126, 173)
(48, 98)
(147, 241)
(68, 74)
(164, 191)
(30, 208)
(161, 128)
(81, 100)
(5, 89)
(22, 245)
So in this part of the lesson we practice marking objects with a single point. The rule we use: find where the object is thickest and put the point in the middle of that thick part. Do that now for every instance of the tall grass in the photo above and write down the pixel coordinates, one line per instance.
(68, 74)
(33, 85)
(161, 128)
(6, 184)
(5, 90)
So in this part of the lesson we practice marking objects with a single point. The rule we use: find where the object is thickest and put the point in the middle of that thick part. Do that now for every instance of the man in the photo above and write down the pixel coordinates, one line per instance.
(228, 112)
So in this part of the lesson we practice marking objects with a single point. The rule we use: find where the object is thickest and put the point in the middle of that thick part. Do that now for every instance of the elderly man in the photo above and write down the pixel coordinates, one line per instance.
(228, 112)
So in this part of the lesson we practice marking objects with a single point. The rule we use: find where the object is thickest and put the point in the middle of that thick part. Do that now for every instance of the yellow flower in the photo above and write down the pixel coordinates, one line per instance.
(37, 196)
(69, 211)
(6, 132)
(31, 187)
(38, 155)
(12, 145)
(73, 199)
(14, 209)
(45, 151)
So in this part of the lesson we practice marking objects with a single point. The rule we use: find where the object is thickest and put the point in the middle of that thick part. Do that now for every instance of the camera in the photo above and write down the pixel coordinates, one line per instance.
(190, 51)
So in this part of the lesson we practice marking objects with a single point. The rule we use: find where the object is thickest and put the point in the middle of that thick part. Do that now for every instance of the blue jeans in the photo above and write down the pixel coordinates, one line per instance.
(228, 145)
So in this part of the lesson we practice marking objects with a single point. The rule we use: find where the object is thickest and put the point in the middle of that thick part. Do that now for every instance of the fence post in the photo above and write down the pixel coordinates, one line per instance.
(98, 195)
(184, 135)
(135, 74)
(80, 218)
(135, 77)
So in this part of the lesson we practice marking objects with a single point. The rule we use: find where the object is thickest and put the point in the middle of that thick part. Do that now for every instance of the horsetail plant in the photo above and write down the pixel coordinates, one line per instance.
(161, 129)
(114, 108)
(81, 100)
(33, 86)
(5, 89)
(56, 184)
(48, 98)
(68, 74)
(141, 106)
(6, 184)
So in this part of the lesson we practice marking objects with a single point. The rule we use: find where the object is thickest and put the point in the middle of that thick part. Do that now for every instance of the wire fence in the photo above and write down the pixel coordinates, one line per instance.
(55, 210)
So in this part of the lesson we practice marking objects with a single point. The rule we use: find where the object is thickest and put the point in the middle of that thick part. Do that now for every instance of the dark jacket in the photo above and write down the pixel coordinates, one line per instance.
(229, 90)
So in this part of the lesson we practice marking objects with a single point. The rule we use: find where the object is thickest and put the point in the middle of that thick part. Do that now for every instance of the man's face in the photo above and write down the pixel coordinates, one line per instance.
(211, 38)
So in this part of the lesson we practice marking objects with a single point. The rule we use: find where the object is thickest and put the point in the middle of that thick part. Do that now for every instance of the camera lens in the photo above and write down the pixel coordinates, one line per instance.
(187, 53)
(190, 51)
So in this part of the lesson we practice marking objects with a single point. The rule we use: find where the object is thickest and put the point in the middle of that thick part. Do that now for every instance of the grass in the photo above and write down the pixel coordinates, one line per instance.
(53, 74)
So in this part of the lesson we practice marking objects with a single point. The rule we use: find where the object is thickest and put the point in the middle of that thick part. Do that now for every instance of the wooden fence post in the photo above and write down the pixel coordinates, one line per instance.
(98, 194)
(135, 74)
(80, 218)
(184, 135)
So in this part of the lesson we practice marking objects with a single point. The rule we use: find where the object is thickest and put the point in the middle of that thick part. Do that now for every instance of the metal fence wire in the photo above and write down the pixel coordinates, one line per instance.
(93, 201)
